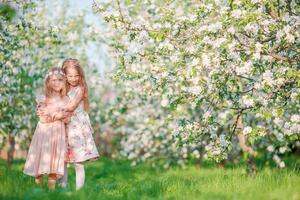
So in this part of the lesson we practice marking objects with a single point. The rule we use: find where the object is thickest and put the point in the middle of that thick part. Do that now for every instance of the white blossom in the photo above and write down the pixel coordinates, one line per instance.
(247, 130)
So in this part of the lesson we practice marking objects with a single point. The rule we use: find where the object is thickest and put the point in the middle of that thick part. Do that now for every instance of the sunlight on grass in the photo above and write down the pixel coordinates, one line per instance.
(107, 179)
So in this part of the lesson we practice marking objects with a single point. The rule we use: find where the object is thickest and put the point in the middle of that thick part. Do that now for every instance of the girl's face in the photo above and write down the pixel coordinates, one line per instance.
(73, 77)
(57, 83)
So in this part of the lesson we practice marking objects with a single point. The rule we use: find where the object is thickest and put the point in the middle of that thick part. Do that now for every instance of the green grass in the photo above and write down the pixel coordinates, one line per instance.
(109, 179)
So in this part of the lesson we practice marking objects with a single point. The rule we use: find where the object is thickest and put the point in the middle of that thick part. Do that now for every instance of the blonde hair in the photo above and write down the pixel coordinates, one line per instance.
(48, 88)
(71, 62)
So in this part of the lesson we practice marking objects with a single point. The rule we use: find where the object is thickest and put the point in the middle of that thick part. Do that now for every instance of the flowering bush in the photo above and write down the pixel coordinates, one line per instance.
(217, 68)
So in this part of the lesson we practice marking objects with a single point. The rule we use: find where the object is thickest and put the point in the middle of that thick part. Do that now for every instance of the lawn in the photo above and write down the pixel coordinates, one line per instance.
(115, 179)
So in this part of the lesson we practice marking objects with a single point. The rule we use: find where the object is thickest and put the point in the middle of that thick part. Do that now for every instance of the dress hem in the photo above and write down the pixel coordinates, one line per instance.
(84, 160)
(43, 173)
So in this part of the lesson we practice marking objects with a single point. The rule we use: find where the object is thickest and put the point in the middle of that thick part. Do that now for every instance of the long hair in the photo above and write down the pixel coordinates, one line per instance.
(71, 62)
(48, 89)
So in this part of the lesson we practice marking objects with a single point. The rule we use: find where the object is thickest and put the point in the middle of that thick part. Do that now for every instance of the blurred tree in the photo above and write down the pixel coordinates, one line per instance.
(7, 11)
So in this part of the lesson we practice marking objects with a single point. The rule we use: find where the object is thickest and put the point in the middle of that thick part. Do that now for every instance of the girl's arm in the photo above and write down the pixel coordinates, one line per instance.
(47, 116)
(62, 114)
(41, 109)
(66, 119)
(44, 117)
(72, 105)
(53, 115)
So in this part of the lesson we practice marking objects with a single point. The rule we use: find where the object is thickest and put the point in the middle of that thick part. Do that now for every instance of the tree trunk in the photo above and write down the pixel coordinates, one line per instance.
(11, 150)
(246, 149)
(200, 160)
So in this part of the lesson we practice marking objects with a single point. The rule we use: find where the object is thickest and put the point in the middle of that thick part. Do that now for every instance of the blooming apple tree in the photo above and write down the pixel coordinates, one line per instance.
(218, 68)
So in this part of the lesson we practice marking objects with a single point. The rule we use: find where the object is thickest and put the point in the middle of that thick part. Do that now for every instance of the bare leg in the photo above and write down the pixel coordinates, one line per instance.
(39, 179)
(51, 181)
(80, 175)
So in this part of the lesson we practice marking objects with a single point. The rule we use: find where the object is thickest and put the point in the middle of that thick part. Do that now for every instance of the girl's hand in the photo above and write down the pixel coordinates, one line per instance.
(61, 115)
(57, 116)
(66, 120)
(41, 110)
(46, 119)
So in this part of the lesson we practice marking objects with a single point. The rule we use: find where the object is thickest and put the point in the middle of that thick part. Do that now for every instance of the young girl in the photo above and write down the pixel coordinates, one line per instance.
(81, 145)
(47, 150)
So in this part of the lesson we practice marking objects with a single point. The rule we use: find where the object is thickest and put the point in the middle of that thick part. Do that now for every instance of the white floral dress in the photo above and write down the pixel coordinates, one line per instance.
(81, 145)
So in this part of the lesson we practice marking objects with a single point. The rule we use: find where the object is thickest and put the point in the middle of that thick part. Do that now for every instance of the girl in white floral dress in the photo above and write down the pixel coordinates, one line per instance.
(81, 145)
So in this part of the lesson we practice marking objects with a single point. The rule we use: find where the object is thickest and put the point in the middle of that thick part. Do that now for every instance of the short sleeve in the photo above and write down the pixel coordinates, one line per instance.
(78, 91)
(40, 99)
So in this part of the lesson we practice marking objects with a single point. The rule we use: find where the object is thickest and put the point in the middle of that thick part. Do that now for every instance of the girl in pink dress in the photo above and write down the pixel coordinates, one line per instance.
(81, 145)
(47, 150)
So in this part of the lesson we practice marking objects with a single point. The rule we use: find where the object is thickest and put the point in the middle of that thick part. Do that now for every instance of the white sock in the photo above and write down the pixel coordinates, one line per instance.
(80, 175)
(64, 180)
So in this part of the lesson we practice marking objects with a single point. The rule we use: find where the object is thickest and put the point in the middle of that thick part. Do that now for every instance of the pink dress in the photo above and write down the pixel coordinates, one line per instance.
(81, 145)
(47, 150)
